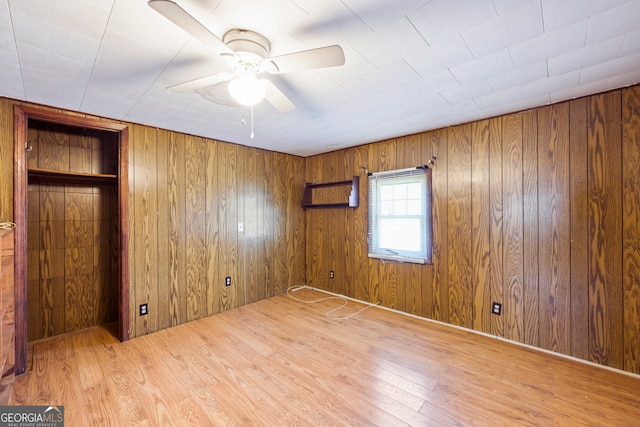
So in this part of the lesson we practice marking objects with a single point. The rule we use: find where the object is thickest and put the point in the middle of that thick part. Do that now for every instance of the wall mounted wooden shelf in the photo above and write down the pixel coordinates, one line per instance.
(56, 176)
(353, 198)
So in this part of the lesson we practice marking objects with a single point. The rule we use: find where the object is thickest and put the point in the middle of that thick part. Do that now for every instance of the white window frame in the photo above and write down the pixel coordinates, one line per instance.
(377, 181)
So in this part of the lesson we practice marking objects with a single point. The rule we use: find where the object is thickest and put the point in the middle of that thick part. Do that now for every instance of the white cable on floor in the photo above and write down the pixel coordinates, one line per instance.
(7, 225)
(327, 314)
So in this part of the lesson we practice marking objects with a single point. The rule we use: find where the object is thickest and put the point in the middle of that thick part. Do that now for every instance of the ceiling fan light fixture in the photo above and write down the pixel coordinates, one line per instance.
(247, 89)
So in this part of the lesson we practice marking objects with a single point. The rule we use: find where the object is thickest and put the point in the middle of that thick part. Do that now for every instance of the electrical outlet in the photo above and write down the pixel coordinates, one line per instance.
(240, 227)
(331, 274)
(227, 281)
(144, 309)
(496, 308)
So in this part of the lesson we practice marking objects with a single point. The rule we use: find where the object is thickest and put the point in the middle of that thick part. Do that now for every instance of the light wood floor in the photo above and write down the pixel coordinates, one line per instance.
(280, 362)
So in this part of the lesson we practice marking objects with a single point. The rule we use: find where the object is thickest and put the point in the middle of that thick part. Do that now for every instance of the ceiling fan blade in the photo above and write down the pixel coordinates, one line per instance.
(277, 98)
(200, 83)
(188, 23)
(328, 56)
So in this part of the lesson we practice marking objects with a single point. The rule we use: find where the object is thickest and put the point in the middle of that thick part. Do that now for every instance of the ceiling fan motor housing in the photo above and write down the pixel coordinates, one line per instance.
(249, 45)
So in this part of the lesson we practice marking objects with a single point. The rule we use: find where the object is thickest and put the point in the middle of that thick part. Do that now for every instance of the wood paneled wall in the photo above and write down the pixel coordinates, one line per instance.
(72, 266)
(187, 196)
(536, 210)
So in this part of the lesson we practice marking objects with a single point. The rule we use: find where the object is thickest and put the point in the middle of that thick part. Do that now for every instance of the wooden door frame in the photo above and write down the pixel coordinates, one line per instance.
(22, 115)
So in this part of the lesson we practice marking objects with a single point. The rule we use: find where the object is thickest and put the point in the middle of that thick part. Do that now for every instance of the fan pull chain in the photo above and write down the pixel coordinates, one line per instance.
(252, 134)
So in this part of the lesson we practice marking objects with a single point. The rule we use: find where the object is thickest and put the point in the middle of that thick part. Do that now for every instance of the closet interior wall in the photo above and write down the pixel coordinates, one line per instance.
(72, 264)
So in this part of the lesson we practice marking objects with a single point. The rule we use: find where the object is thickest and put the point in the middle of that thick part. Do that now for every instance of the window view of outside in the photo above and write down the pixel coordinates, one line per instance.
(400, 216)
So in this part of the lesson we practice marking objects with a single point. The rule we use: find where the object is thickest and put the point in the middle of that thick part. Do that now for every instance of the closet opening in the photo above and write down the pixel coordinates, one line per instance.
(71, 215)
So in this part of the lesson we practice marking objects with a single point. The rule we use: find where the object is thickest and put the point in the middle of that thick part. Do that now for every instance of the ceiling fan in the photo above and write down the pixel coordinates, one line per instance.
(247, 52)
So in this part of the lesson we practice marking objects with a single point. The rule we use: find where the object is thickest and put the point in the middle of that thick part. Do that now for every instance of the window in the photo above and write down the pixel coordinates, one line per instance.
(400, 215)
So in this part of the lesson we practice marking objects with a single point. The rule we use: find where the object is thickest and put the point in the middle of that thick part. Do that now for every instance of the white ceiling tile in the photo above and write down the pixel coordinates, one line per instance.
(550, 44)
(329, 8)
(579, 91)
(114, 58)
(503, 97)
(614, 22)
(584, 57)
(506, 6)
(432, 84)
(355, 67)
(484, 67)
(347, 94)
(391, 44)
(53, 39)
(442, 19)
(325, 20)
(442, 112)
(466, 93)
(515, 26)
(84, 19)
(153, 30)
(351, 116)
(391, 76)
(269, 18)
(508, 108)
(558, 13)
(301, 86)
(631, 43)
(624, 80)
(519, 76)
(549, 85)
(392, 98)
(440, 56)
(623, 65)
(45, 93)
(377, 14)
(10, 76)
(40, 64)
(7, 41)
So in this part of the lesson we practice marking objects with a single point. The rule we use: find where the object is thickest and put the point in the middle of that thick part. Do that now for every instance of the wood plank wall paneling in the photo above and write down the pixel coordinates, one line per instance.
(496, 215)
(204, 188)
(439, 309)
(530, 266)
(178, 187)
(536, 210)
(176, 226)
(605, 226)
(145, 231)
(631, 226)
(513, 233)
(250, 215)
(481, 262)
(567, 173)
(213, 244)
(384, 275)
(195, 211)
(554, 226)
(579, 172)
(359, 228)
(163, 221)
(460, 226)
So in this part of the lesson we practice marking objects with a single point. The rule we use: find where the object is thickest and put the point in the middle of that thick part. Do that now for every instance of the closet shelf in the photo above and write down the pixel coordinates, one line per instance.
(56, 176)
(307, 198)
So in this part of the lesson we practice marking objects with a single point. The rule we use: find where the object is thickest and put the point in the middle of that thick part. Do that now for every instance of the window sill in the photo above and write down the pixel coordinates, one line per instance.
(399, 258)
